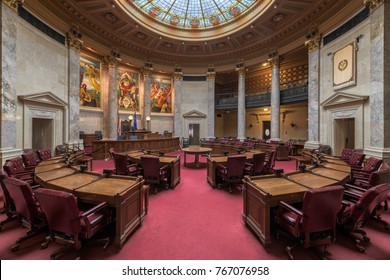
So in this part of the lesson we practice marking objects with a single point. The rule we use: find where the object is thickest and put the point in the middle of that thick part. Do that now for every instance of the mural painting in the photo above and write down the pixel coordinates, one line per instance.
(128, 97)
(89, 82)
(161, 95)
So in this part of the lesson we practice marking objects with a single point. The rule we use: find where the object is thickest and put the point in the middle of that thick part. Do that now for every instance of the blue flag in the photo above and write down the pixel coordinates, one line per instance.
(135, 121)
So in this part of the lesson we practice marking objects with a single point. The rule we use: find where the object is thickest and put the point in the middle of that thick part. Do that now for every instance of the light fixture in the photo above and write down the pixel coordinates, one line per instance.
(147, 123)
(130, 118)
(265, 109)
(148, 119)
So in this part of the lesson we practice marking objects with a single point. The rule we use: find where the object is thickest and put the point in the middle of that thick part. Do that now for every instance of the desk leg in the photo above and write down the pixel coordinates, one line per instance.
(197, 160)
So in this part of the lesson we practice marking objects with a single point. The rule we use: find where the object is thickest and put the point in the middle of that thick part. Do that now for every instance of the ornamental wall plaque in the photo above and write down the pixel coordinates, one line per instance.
(344, 67)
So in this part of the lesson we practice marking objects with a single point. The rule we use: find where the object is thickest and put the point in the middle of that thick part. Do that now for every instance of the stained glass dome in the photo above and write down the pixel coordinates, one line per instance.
(194, 14)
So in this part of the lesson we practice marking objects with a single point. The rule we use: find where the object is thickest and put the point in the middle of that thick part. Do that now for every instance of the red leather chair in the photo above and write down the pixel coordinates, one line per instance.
(346, 154)
(257, 167)
(313, 225)
(155, 174)
(9, 205)
(27, 209)
(356, 159)
(29, 160)
(44, 154)
(361, 175)
(11, 171)
(71, 223)
(269, 162)
(232, 173)
(353, 215)
(122, 167)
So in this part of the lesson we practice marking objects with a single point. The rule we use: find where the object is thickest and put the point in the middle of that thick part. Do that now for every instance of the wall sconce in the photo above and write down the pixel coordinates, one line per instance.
(130, 120)
(292, 124)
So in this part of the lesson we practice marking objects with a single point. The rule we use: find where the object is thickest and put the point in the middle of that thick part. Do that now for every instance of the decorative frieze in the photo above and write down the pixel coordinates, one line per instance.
(14, 4)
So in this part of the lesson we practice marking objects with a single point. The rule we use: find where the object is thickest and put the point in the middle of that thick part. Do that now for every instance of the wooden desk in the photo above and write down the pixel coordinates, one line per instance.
(335, 166)
(173, 163)
(340, 176)
(214, 161)
(195, 151)
(125, 194)
(260, 194)
(310, 180)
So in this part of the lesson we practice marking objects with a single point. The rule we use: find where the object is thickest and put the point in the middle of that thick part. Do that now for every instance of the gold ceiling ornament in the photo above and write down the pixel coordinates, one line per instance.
(74, 38)
(373, 4)
(14, 4)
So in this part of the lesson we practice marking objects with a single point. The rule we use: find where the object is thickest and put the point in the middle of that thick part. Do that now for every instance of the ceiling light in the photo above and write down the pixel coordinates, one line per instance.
(265, 109)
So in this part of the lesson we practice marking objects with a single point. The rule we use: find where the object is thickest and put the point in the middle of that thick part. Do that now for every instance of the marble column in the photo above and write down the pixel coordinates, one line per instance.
(380, 79)
(241, 70)
(112, 117)
(147, 72)
(8, 73)
(274, 60)
(313, 45)
(74, 45)
(211, 102)
(178, 118)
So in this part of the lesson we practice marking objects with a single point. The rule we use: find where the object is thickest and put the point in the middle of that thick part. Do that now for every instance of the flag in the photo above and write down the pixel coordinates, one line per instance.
(135, 121)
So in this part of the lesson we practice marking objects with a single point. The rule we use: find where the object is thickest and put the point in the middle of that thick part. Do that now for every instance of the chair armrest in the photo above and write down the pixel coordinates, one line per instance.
(164, 168)
(352, 195)
(290, 208)
(221, 166)
(355, 187)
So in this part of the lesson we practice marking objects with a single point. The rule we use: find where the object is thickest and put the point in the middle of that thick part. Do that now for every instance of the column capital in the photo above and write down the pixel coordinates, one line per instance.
(373, 4)
(313, 44)
(112, 60)
(177, 73)
(74, 38)
(13, 4)
(147, 69)
(211, 73)
(240, 68)
(274, 59)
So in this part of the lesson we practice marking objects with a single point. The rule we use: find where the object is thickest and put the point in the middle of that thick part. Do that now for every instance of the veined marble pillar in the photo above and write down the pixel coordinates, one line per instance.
(241, 70)
(8, 77)
(274, 61)
(74, 45)
(380, 79)
(178, 118)
(211, 102)
(313, 45)
(147, 72)
(112, 117)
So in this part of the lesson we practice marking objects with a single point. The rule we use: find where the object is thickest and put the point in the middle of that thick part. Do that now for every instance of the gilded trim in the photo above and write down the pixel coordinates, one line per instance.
(373, 4)
(14, 4)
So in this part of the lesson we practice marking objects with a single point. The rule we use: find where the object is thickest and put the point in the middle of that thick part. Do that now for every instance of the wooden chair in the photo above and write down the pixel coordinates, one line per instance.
(257, 167)
(154, 174)
(232, 173)
(122, 167)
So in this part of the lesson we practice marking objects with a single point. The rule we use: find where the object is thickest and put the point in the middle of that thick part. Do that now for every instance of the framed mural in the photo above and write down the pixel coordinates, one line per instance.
(89, 82)
(344, 67)
(161, 95)
(128, 91)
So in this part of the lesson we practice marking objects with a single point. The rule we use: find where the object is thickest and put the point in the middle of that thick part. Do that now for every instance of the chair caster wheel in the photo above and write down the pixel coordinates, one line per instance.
(15, 247)
(366, 238)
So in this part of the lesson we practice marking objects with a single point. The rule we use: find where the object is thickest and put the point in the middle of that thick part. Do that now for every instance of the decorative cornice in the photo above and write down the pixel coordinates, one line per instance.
(14, 4)
(112, 60)
(373, 4)
(177, 73)
(313, 44)
(74, 38)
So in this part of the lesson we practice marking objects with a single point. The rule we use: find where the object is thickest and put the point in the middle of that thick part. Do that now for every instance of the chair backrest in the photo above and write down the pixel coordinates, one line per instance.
(44, 154)
(25, 203)
(120, 161)
(61, 149)
(18, 164)
(151, 167)
(372, 164)
(9, 168)
(346, 154)
(379, 177)
(367, 203)
(8, 202)
(111, 151)
(61, 211)
(356, 158)
(320, 208)
(258, 163)
(235, 166)
(29, 159)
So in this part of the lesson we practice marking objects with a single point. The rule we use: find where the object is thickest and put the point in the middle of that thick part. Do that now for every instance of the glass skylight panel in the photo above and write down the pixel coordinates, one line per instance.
(194, 13)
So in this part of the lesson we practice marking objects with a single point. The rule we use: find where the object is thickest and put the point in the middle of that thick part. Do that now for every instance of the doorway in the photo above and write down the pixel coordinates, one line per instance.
(42, 134)
(193, 133)
(266, 130)
(344, 133)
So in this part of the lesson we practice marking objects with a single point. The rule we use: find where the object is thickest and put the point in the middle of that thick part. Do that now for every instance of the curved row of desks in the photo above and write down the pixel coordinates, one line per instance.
(127, 196)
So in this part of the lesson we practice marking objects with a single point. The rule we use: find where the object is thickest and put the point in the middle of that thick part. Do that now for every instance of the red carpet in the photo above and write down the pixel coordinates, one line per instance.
(196, 222)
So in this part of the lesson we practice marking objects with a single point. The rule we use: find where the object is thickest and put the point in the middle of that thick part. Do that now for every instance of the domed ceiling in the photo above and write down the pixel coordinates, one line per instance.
(195, 33)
